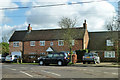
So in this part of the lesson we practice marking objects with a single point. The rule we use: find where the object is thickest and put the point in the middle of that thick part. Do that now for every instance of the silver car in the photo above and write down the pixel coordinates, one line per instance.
(91, 57)
(12, 58)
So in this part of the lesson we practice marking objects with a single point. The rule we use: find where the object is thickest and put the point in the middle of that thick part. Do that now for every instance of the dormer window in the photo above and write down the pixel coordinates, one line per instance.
(109, 42)
(16, 44)
(32, 43)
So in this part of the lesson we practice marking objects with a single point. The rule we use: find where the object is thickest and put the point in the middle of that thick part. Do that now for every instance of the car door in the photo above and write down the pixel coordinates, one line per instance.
(55, 58)
(48, 58)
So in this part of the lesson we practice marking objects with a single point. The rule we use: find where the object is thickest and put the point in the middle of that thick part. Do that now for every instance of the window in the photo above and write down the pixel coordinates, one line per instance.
(73, 42)
(32, 53)
(42, 53)
(51, 43)
(49, 55)
(32, 43)
(56, 55)
(109, 43)
(60, 42)
(16, 44)
(42, 43)
(109, 54)
(61, 55)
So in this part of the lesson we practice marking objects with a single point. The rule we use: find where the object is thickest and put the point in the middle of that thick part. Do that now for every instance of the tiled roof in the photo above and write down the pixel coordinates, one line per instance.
(49, 34)
(97, 40)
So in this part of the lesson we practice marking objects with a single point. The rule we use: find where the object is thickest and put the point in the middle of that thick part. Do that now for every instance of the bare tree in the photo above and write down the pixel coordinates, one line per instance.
(69, 33)
(6, 36)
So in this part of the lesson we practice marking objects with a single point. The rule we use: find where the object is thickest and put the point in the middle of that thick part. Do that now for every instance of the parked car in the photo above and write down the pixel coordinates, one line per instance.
(12, 58)
(91, 57)
(2, 58)
(54, 58)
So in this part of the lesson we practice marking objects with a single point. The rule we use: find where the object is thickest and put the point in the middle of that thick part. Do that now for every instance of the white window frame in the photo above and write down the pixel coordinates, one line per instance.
(32, 53)
(109, 43)
(59, 42)
(42, 43)
(16, 44)
(42, 53)
(109, 54)
(73, 42)
(51, 43)
(32, 43)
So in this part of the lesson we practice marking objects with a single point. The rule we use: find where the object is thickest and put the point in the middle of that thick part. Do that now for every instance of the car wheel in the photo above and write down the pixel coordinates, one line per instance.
(41, 63)
(98, 62)
(94, 62)
(84, 62)
(60, 63)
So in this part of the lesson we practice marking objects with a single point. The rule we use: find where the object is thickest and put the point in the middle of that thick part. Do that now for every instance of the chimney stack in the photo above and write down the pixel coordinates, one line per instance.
(85, 24)
(29, 28)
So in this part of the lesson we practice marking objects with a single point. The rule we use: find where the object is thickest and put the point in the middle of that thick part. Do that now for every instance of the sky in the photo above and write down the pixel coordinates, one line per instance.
(96, 14)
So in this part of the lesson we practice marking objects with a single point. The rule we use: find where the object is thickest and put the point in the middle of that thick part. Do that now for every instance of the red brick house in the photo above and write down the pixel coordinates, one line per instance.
(31, 42)
(106, 43)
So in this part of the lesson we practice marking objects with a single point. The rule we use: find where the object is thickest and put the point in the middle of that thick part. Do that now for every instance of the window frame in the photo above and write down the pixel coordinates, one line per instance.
(111, 53)
(14, 44)
(42, 43)
(32, 44)
(50, 43)
(61, 44)
(109, 42)
(73, 42)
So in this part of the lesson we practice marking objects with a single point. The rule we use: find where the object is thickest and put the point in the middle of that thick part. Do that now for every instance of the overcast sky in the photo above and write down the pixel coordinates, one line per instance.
(96, 14)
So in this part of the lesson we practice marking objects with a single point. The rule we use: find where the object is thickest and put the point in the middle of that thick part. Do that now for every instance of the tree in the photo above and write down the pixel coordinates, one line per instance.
(4, 47)
(114, 25)
(69, 33)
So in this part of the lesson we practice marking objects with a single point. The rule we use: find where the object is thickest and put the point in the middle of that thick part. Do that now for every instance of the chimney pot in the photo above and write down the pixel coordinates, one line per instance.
(85, 25)
(29, 28)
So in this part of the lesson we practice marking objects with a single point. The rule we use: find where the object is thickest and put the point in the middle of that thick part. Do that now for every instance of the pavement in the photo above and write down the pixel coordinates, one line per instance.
(102, 64)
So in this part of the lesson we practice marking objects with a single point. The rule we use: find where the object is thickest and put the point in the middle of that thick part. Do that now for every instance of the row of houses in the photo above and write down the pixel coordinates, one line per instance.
(40, 42)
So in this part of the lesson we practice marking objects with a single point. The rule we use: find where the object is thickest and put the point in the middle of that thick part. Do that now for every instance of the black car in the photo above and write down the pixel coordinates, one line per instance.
(54, 58)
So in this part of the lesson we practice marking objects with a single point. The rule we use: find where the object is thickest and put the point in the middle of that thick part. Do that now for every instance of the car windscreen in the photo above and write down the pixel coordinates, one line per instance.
(9, 56)
(95, 54)
(88, 54)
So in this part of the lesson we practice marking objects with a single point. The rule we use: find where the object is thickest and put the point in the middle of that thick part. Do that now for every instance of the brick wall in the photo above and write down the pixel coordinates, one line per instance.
(16, 49)
(42, 49)
(103, 59)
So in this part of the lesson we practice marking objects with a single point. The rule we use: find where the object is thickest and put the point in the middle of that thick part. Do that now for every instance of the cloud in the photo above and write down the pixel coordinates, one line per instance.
(95, 13)
(5, 4)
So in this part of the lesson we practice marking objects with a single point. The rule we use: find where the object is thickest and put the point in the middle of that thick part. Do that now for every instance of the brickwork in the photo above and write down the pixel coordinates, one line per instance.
(16, 49)
(42, 49)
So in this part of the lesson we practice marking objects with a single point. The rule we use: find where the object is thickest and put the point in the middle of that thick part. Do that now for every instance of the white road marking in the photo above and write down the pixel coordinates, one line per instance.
(13, 69)
(26, 73)
(84, 69)
(115, 73)
(51, 73)
(105, 72)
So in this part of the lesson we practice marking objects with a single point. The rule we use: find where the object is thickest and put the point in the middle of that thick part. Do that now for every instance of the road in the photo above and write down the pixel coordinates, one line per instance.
(36, 71)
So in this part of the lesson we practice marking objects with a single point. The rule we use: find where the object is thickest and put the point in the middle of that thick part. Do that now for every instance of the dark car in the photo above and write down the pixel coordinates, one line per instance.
(54, 58)
(91, 57)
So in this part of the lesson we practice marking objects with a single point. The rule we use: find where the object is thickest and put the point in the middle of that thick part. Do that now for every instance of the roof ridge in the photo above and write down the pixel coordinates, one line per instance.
(51, 29)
